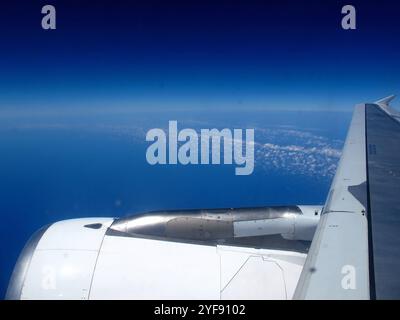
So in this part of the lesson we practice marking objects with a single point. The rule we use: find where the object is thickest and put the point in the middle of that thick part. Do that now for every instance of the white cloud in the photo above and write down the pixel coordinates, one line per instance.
(297, 152)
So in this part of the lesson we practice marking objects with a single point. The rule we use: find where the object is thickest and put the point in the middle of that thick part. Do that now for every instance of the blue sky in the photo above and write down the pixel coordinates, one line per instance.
(198, 54)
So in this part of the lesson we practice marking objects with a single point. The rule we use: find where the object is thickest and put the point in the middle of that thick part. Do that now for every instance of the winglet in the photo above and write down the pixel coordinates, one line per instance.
(386, 101)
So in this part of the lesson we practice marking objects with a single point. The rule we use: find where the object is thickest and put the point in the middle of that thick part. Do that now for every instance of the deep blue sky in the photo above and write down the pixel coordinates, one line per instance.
(198, 54)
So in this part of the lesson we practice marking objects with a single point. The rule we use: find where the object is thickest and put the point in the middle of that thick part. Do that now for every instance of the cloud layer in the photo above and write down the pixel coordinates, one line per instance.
(297, 152)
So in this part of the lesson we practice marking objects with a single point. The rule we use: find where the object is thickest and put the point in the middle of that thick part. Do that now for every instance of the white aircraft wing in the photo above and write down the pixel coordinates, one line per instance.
(354, 253)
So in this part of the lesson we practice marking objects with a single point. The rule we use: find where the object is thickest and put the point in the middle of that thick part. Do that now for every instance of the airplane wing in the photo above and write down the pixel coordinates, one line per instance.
(355, 251)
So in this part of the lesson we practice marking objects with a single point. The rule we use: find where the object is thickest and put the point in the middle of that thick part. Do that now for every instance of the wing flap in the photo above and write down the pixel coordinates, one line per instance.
(383, 158)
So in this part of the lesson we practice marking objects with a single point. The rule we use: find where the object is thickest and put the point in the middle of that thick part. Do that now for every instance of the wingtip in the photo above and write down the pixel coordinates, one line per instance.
(386, 101)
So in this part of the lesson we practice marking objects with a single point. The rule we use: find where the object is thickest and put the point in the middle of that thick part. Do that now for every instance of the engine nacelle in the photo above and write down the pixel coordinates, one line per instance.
(203, 254)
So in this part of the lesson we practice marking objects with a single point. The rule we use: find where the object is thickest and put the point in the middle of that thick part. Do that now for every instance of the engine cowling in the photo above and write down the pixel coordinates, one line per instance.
(116, 258)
